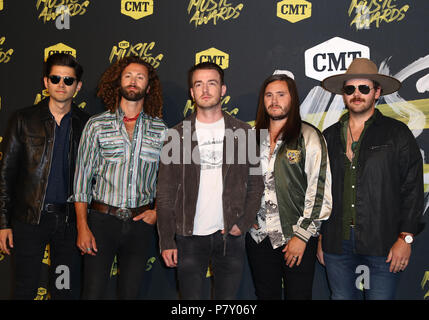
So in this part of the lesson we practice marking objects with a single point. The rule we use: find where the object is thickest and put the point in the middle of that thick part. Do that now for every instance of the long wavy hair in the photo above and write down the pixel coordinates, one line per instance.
(110, 85)
(292, 127)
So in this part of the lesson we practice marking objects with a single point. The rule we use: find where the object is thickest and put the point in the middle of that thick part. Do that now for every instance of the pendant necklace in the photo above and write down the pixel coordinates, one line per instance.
(354, 144)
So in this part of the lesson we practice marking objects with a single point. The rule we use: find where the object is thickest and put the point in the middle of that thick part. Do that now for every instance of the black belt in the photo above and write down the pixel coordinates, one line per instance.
(54, 208)
(120, 213)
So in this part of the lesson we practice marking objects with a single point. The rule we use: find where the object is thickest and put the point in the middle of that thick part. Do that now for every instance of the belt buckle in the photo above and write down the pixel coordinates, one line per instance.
(124, 214)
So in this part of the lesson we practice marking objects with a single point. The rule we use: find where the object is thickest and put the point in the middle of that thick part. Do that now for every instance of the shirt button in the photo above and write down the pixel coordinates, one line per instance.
(353, 205)
(353, 167)
(353, 187)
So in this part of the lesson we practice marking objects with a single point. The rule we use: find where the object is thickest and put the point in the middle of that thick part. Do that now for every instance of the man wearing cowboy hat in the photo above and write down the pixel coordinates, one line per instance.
(377, 189)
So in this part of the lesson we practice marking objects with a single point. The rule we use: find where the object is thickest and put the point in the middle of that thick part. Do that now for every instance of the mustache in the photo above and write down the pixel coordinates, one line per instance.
(132, 86)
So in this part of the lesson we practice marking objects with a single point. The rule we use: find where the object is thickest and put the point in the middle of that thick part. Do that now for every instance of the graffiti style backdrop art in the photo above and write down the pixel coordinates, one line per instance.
(250, 40)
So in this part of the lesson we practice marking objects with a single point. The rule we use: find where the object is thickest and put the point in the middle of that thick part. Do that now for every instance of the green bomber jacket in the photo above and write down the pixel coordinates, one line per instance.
(303, 183)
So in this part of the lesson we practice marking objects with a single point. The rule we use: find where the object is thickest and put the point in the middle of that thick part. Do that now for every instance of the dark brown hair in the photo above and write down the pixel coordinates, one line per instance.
(110, 84)
(62, 59)
(292, 127)
(205, 66)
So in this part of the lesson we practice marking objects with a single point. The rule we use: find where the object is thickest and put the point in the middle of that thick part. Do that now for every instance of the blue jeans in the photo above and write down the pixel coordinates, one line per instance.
(227, 261)
(344, 269)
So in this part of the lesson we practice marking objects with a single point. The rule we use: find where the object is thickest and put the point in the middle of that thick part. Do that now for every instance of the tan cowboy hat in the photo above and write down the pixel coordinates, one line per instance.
(361, 68)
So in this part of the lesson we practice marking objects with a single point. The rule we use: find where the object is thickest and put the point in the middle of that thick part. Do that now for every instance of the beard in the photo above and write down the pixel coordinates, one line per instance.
(276, 117)
(133, 95)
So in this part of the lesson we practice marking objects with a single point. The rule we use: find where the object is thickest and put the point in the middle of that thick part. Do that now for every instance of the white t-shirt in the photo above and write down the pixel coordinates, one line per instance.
(209, 210)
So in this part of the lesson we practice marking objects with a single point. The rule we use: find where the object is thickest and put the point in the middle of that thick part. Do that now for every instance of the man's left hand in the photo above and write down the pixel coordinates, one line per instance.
(235, 231)
(399, 256)
(149, 216)
(294, 250)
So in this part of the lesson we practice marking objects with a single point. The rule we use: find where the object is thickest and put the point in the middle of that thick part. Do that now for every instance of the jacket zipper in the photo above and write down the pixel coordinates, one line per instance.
(47, 178)
(71, 141)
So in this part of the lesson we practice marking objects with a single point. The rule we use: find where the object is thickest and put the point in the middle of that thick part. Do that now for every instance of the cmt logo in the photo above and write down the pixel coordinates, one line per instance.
(1, 5)
(294, 10)
(143, 50)
(137, 9)
(59, 47)
(332, 57)
(213, 55)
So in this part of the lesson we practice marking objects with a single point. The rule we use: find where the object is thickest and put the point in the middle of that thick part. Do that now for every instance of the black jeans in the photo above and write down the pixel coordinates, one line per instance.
(130, 242)
(268, 268)
(227, 261)
(29, 248)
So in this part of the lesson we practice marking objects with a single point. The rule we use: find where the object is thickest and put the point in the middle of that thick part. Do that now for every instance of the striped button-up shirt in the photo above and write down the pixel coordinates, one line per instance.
(124, 170)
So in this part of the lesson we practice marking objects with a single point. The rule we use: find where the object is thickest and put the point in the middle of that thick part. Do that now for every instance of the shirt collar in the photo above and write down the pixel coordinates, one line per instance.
(120, 115)
(345, 118)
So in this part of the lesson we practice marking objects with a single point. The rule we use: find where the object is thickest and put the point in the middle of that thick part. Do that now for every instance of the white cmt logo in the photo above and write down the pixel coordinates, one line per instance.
(332, 57)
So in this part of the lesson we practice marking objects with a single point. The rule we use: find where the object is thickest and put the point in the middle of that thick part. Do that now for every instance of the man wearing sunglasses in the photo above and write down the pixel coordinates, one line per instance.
(377, 189)
(36, 176)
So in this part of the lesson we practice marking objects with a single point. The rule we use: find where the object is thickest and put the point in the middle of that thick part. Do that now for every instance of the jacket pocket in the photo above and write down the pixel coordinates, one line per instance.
(380, 147)
(35, 149)
(36, 141)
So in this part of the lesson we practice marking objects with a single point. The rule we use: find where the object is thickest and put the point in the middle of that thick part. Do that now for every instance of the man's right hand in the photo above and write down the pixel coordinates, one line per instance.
(170, 257)
(6, 238)
(86, 241)
(320, 251)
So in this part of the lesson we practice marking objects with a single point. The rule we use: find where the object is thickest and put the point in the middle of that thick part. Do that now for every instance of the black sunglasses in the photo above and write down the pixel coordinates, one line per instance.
(363, 88)
(68, 81)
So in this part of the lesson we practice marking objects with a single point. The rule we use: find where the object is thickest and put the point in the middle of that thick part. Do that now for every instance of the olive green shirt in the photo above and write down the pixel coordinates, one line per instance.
(350, 168)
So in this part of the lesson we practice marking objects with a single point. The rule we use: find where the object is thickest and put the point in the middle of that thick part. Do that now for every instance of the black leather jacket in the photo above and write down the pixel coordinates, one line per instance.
(27, 155)
(389, 187)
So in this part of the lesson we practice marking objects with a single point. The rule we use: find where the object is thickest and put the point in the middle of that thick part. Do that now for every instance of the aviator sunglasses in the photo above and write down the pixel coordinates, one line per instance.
(68, 81)
(363, 88)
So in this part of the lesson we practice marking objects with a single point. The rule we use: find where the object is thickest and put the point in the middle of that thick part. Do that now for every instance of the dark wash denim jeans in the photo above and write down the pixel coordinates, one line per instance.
(342, 270)
(29, 248)
(130, 242)
(195, 253)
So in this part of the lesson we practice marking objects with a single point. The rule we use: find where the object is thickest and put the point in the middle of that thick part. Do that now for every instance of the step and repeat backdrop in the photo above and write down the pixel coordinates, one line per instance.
(249, 39)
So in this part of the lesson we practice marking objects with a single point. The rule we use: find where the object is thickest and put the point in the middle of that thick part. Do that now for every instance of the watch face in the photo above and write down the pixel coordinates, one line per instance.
(408, 239)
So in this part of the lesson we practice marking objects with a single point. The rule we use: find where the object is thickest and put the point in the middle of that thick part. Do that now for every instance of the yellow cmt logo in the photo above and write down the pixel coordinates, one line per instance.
(59, 47)
(294, 10)
(213, 55)
(137, 9)
(124, 44)
(1, 5)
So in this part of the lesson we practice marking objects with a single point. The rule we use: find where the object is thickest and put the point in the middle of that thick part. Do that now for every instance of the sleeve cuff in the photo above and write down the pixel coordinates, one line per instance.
(80, 197)
(302, 234)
